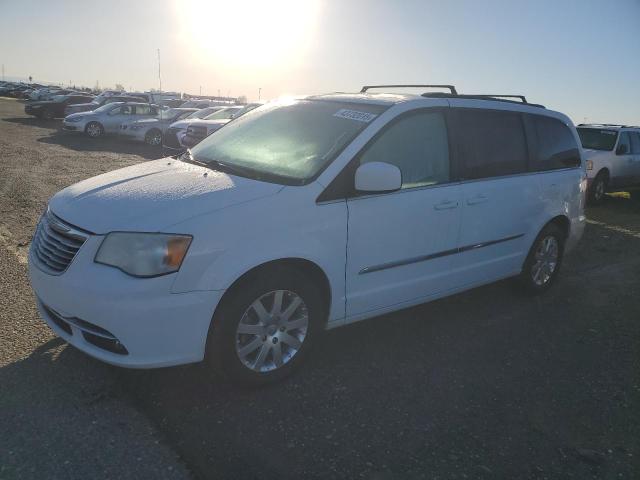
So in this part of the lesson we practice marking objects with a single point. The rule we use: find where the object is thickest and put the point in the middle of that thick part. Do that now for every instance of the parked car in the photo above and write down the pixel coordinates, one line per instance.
(43, 93)
(305, 215)
(151, 130)
(201, 129)
(108, 118)
(612, 154)
(100, 101)
(51, 93)
(50, 109)
(172, 139)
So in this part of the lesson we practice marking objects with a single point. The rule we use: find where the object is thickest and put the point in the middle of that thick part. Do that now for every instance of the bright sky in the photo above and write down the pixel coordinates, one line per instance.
(581, 57)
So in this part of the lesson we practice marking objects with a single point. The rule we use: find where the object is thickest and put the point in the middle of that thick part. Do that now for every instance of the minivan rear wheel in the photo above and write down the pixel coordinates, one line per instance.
(543, 262)
(266, 327)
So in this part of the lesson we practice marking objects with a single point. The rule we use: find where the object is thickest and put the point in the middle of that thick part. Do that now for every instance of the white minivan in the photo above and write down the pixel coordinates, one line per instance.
(307, 214)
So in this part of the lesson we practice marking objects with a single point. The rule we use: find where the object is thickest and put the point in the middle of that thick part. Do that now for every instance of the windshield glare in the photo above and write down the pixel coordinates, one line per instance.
(598, 139)
(223, 114)
(204, 112)
(105, 108)
(292, 141)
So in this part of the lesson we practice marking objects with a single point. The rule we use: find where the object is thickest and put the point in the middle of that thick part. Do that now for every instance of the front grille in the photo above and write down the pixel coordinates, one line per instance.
(170, 138)
(56, 243)
(198, 132)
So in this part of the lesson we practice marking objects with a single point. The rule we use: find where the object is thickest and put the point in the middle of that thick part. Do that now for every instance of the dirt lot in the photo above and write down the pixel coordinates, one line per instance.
(485, 384)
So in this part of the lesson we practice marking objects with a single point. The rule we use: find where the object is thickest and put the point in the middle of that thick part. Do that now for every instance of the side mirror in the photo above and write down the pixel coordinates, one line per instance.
(378, 177)
(622, 149)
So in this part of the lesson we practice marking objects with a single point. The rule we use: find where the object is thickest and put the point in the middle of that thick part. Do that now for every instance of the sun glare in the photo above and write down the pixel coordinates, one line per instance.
(247, 33)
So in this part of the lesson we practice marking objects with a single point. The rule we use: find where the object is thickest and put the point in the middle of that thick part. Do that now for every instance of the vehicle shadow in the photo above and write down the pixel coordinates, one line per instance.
(484, 381)
(110, 143)
(58, 408)
(34, 122)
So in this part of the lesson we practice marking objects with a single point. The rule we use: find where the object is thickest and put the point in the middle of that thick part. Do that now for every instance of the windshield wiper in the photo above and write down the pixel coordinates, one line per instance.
(219, 166)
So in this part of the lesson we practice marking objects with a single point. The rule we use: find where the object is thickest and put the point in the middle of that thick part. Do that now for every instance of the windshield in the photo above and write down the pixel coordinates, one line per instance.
(223, 114)
(104, 108)
(204, 112)
(292, 141)
(597, 139)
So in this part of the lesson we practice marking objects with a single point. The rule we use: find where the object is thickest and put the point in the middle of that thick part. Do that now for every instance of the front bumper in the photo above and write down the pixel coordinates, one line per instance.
(155, 327)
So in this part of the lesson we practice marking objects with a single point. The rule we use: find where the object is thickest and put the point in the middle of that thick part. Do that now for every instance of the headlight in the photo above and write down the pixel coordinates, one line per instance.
(589, 164)
(143, 254)
(74, 119)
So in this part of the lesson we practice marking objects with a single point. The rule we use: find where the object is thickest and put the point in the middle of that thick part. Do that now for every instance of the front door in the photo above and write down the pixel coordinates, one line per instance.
(623, 163)
(400, 244)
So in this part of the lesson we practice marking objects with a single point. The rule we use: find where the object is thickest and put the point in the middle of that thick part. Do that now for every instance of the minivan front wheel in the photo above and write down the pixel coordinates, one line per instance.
(263, 331)
(544, 259)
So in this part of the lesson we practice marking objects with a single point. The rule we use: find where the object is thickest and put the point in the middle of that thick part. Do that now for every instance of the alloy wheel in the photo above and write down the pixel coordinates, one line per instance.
(272, 330)
(546, 260)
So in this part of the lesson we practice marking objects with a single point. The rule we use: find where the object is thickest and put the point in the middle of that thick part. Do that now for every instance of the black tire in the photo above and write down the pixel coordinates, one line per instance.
(598, 188)
(94, 129)
(48, 114)
(528, 280)
(223, 341)
(153, 138)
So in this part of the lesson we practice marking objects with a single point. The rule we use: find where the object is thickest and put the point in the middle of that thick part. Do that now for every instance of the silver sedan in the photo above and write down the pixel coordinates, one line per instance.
(108, 118)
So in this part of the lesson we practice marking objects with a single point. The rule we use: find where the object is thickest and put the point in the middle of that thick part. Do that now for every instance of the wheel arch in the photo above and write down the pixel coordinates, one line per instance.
(315, 272)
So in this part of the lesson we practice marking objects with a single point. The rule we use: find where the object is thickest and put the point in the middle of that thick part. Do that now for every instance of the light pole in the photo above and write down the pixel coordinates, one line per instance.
(159, 77)
(259, 93)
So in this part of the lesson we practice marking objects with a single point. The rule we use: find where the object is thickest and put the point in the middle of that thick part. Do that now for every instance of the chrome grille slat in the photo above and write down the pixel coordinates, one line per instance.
(55, 243)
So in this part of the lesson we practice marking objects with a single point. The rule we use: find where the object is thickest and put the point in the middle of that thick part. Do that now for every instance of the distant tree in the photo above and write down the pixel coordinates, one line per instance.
(119, 86)
(242, 99)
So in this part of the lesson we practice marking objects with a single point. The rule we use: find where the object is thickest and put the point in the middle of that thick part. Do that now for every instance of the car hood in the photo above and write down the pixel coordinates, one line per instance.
(93, 106)
(152, 196)
(590, 154)
(209, 123)
(84, 115)
(185, 123)
(42, 103)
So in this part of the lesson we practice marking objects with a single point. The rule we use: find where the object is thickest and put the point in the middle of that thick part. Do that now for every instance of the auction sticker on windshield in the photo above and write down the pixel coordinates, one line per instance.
(355, 115)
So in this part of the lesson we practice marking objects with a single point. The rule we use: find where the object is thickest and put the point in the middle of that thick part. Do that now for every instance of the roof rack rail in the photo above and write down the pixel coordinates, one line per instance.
(607, 125)
(451, 88)
(497, 98)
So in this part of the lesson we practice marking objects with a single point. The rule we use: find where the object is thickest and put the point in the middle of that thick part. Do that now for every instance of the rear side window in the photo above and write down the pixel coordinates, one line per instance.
(490, 143)
(418, 145)
(556, 145)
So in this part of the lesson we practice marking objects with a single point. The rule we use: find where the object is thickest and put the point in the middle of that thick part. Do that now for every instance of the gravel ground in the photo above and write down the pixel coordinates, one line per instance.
(62, 414)
(485, 384)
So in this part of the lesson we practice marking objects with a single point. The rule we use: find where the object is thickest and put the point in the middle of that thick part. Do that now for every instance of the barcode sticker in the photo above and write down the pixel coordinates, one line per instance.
(355, 115)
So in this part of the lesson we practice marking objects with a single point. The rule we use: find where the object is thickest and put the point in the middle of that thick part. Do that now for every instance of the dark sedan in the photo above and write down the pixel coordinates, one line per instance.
(50, 109)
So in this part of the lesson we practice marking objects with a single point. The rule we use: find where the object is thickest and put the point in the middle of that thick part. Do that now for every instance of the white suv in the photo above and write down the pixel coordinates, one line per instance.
(612, 155)
(303, 215)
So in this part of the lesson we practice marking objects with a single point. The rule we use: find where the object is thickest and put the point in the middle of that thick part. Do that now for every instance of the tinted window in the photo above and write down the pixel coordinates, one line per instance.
(557, 147)
(597, 139)
(490, 143)
(126, 110)
(418, 146)
(635, 142)
(626, 141)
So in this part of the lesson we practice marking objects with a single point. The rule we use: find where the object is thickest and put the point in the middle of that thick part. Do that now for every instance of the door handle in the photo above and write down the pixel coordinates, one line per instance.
(446, 205)
(480, 198)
